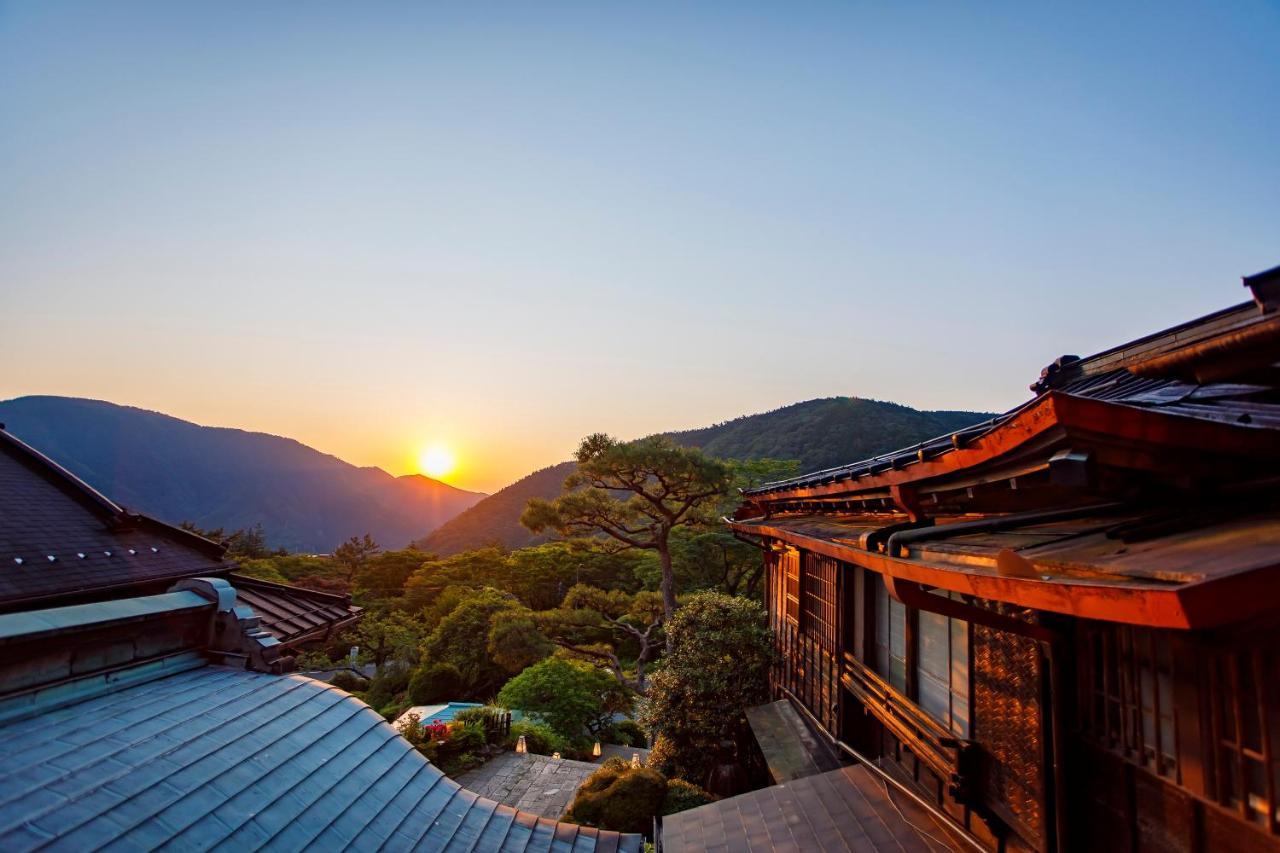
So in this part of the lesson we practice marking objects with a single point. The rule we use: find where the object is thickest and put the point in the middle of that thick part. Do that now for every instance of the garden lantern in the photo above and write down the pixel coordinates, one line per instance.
(521, 746)
(596, 751)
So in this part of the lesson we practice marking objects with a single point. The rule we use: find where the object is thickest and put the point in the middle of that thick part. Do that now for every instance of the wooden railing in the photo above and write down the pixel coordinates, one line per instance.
(952, 759)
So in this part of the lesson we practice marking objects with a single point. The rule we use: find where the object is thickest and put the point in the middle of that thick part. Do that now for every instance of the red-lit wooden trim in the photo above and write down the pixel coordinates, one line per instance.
(1206, 604)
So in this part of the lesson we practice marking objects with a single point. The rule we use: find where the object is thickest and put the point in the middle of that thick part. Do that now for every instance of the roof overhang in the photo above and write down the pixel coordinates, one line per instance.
(1211, 602)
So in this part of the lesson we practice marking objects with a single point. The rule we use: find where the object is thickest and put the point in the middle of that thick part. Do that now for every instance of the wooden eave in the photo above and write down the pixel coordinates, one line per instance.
(1052, 420)
(1205, 603)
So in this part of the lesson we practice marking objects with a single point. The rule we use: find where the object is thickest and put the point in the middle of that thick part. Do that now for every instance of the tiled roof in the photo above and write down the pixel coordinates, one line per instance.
(97, 546)
(1125, 375)
(221, 757)
(292, 614)
(1233, 403)
(846, 809)
(59, 537)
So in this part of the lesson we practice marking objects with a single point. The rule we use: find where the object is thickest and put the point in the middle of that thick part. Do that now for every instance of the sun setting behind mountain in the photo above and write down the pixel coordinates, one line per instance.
(436, 461)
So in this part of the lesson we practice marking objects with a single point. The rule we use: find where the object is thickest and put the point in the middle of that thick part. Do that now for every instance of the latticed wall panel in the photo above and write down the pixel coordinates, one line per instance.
(818, 604)
(1008, 720)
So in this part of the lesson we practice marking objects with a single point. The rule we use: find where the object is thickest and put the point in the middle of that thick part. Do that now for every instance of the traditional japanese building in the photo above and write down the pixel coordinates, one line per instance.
(1060, 627)
(145, 701)
(62, 542)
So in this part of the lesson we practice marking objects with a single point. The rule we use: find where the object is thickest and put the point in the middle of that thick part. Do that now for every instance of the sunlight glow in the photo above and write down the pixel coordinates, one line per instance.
(436, 461)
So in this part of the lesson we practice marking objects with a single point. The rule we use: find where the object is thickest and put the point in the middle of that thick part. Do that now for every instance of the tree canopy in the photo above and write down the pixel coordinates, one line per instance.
(570, 696)
(632, 495)
(462, 639)
(719, 653)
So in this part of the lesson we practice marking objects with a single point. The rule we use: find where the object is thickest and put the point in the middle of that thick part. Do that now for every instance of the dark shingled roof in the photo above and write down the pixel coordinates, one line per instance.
(219, 757)
(95, 544)
(292, 614)
(99, 547)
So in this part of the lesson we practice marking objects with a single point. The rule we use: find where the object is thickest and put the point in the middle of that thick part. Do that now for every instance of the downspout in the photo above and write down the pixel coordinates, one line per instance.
(898, 542)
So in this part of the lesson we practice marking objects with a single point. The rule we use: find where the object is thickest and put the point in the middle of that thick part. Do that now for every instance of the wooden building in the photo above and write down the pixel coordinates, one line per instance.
(1061, 626)
(62, 542)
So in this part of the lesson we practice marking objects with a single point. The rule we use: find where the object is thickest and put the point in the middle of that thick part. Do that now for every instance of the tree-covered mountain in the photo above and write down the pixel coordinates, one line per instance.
(825, 433)
(496, 519)
(817, 433)
(216, 477)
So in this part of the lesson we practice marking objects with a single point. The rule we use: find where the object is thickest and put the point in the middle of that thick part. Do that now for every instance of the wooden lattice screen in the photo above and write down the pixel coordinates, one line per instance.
(818, 603)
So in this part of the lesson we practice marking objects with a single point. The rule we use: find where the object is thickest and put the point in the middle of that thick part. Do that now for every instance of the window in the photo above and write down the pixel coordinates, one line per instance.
(935, 652)
(791, 584)
(891, 637)
(943, 673)
(1130, 704)
(1246, 726)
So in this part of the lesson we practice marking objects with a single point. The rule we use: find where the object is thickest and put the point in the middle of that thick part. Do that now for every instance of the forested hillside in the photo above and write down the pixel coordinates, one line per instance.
(816, 433)
(826, 432)
(496, 519)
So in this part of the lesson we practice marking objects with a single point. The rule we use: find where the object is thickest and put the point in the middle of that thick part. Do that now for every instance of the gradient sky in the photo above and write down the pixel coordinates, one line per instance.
(375, 227)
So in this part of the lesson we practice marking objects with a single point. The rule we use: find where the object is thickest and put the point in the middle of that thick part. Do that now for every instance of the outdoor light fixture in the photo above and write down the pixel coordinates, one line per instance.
(556, 756)
(635, 759)
(521, 746)
(596, 751)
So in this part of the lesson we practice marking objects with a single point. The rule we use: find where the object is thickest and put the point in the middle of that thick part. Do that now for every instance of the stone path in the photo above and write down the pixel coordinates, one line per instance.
(610, 750)
(532, 783)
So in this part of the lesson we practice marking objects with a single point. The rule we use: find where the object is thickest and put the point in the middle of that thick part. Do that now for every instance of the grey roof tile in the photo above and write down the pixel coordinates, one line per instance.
(845, 809)
(219, 758)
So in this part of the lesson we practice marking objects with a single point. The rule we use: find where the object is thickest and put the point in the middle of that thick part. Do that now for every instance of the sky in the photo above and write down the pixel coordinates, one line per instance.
(381, 227)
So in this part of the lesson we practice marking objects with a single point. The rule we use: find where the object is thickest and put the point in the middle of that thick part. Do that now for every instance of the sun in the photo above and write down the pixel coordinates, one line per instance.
(436, 461)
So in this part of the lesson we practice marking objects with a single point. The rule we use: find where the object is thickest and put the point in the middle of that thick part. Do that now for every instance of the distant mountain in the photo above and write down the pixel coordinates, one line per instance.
(825, 433)
(496, 519)
(216, 477)
(818, 433)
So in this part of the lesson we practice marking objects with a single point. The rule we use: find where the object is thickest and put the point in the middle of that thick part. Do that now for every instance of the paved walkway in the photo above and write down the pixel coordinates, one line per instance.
(612, 750)
(531, 783)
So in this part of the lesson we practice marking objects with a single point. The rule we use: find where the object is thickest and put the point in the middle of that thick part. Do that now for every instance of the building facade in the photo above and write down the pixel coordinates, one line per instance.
(1061, 626)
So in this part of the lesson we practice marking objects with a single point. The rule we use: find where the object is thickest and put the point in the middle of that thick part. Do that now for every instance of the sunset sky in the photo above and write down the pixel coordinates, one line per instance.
(381, 229)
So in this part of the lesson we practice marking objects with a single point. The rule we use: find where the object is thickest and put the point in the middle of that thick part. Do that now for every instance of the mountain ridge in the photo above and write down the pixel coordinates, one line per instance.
(306, 499)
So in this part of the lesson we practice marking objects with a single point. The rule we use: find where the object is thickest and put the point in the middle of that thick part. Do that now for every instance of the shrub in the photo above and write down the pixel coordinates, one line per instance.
(479, 714)
(487, 717)
(617, 764)
(623, 799)
(347, 680)
(411, 729)
(682, 795)
(570, 696)
(629, 733)
(539, 739)
(436, 682)
(388, 684)
(451, 747)
(717, 667)
(466, 737)
(393, 710)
